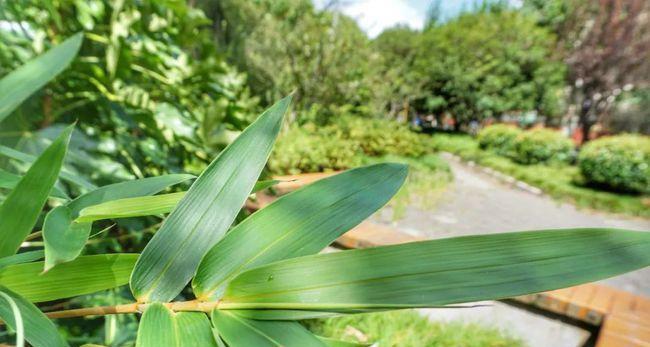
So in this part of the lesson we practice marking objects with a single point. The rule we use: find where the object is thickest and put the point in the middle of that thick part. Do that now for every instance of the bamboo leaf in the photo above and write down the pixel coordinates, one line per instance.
(39, 330)
(241, 332)
(25, 257)
(21, 208)
(9, 181)
(303, 222)
(156, 327)
(441, 272)
(28, 158)
(17, 317)
(85, 275)
(291, 315)
(64, 238)
(131, 207)
(194, 329)
(160, 326)
(143, 205)
(204, 214)
(33, 75)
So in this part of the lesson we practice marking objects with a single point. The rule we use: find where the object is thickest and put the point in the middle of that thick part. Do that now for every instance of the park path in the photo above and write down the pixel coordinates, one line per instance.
(476, 203)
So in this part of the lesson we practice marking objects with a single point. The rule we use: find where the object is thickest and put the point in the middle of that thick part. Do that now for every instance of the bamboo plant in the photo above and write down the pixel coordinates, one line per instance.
(254, 280)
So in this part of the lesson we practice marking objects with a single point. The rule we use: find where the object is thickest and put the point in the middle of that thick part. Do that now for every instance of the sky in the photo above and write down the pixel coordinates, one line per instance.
(374, 16)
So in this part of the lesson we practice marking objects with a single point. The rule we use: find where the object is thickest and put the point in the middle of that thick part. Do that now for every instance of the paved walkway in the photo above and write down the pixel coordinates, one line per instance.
(477, 203)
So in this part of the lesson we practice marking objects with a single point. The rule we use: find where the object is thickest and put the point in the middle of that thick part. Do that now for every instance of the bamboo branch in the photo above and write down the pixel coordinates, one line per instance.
(194, 305)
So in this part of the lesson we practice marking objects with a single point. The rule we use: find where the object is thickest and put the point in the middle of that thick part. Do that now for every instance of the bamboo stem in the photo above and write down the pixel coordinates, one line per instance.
(194, 305)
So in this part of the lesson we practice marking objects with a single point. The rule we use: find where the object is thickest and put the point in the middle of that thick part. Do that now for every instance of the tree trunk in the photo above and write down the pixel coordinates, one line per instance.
(585, 120)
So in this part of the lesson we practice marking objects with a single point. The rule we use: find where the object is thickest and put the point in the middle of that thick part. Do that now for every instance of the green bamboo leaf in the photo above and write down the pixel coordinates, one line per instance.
(64, 238)
(84, 275)
(160, 326)
(441, 272)
(39, 330)
(156, 327)
(28, 158)
(301, 223)
(144, 205)
(241, 332)
(194, 329)
(203, 216)
(131, 207)
(291, 315)
(25, 257)
(18, 318)
(127, 189)
(33, 75)
(9, 181)
(21, 208)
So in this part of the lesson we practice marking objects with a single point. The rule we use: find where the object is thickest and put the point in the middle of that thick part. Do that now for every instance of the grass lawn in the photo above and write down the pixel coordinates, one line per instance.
(562, 182)
(408, 329)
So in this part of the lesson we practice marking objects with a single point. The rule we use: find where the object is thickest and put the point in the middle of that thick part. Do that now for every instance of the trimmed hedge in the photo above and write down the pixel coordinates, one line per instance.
(341, 145)
(541, 146)
(499, 137)
(619, 162)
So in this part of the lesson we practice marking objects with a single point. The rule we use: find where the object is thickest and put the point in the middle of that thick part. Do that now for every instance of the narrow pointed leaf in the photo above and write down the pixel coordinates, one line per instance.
(241, 332)
(160, 326)
(20, 258)
(127, 189)
(33, 75)
(194, 329)
(441, 272)
(64, 238)
(143, 205)
(204, 214)
(85, 275)
(39, 330)
(157, 327)
(21, 208)
(9, 181)
(17, 318)
(28, 158)
(301, 223)
(291, 315)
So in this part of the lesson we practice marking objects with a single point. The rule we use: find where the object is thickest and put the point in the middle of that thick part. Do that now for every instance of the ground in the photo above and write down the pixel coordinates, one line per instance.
(476, 203)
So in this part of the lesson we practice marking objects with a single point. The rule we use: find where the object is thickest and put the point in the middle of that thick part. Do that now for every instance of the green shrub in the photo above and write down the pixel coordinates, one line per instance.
(618, 162)
(305, 149)
(499, 138)
(378, 137)
(541, 146)
(340, 145)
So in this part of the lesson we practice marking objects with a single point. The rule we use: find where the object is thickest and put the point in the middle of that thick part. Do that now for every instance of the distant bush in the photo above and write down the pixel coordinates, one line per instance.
(339, 146)
(541, 146)
(619, 162)
(378, 137)
(499, 138)
(462, 145)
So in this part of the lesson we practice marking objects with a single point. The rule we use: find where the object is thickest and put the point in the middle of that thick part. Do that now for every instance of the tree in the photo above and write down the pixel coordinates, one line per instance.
(485, 63)
(606, 44)
(290, 46)
(402, 82)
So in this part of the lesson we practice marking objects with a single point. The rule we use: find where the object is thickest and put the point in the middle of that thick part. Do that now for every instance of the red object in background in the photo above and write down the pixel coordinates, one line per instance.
(577, 136)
